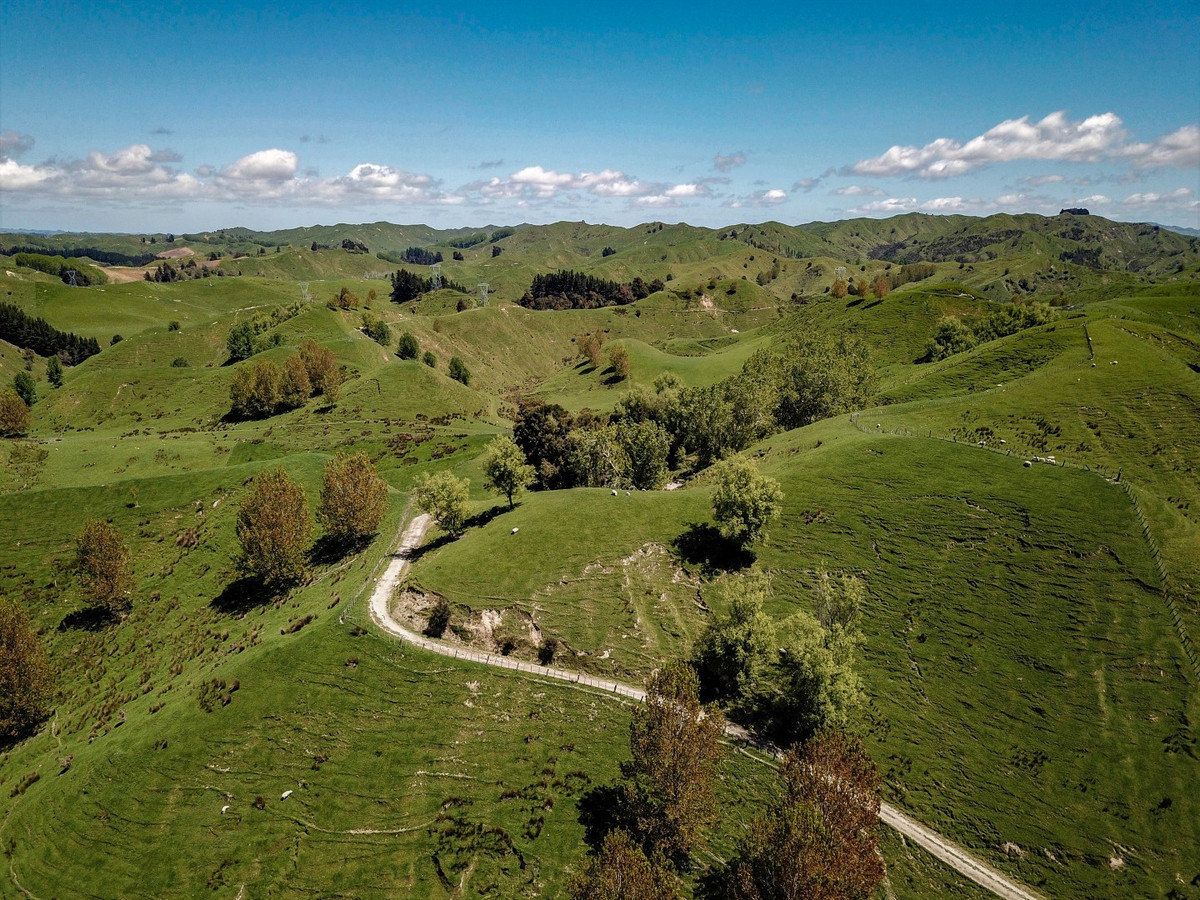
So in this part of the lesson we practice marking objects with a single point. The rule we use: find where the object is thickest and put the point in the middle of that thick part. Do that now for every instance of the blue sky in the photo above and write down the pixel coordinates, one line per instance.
(131, 117)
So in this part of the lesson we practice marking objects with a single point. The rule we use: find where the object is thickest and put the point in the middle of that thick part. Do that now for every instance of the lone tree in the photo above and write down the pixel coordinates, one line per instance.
(618, 358)
(54, 371)
(445, 498)
(408, 348)
(14, 413)
(669, 780)
(744, 501)
(103, 562)
(506, 469)
(25, 386)
(820, 839)
(26, 680)
(353, 498)
(274, 528)
(458, 371)
(621, 871)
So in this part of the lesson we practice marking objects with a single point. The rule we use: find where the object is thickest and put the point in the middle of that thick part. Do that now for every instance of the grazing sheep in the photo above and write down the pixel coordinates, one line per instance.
(225, 809)
(614, 493)
(514, 531)
(286, 794)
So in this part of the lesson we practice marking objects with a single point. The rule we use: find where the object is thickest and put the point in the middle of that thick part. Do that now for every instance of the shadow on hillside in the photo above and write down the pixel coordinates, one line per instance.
(704, 546)
(245, 594)
(91, 618)
(328, 550)
(601, 810)
(441, 541)
(480, 519)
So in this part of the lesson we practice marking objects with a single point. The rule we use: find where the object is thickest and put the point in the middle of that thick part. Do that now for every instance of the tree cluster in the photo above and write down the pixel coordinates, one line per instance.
(377, 329)
(265, 388)
(38, 335)
(408, 286)
(586, 450)
(788, 679)
(816, 840)
(85, 274)
(108, 257)
(248, 338)
(955, 334)
(274, 524)
(575, 290)
(470, 241)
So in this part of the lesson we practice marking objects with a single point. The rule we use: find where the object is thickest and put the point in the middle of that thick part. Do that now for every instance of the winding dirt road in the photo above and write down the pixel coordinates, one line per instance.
(380, 605)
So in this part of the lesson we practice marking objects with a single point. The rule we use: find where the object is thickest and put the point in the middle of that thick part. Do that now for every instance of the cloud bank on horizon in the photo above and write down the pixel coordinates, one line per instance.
(1097, 150)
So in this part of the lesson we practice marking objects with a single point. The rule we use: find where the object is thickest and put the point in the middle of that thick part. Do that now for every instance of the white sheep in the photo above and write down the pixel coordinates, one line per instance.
(285, 795)
(514, 531)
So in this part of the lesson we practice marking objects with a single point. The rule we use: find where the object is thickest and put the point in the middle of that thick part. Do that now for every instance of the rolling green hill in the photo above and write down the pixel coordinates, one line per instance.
(1029, 659)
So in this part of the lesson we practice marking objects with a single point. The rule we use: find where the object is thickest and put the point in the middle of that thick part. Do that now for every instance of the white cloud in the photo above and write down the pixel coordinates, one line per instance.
(1039, 180)
(265, 165)
(859, 190)
(1053, 138)
(771, 197)
(890, 205)
(1178, 150)
(806, 184)
(1094, 200)
(136, 173)
(1178, 199)
(732, 161)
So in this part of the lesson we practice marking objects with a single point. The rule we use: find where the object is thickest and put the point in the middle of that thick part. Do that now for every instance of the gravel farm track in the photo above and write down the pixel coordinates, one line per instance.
(380, 607)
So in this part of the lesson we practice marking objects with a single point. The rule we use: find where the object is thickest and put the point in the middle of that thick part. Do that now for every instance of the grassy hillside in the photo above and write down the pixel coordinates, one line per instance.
(1030, 631)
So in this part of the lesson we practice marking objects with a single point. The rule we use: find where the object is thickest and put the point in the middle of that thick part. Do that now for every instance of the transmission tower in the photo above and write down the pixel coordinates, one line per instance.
(435, 275)
(71, 273)
(304, 294)
(840, 272)
(483, 292)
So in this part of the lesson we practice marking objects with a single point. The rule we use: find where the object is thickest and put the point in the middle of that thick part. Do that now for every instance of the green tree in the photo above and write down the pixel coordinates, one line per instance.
(815, 684)
(25, 387)
(102, 560)
(736, 649)
(240, 342)
(595, 458)
(674, 746)
(458, 371)
(409, 347)
(54, 371)
(377, 330)
(324, 373)
(820, 839)
(294, 386)
(505, 467)
(621, 871)
(646, 446)
(26, 679)
(618, 358)
(744, 501)
(353, 498)
(838, 601)
(816, 375)
(952, 336)
(274, 528)
(255, 389)
(444, 497)
(14, 413)
(429, 359)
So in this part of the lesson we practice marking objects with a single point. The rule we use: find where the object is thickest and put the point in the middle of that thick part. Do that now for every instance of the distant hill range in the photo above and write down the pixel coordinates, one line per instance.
(995, 254)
